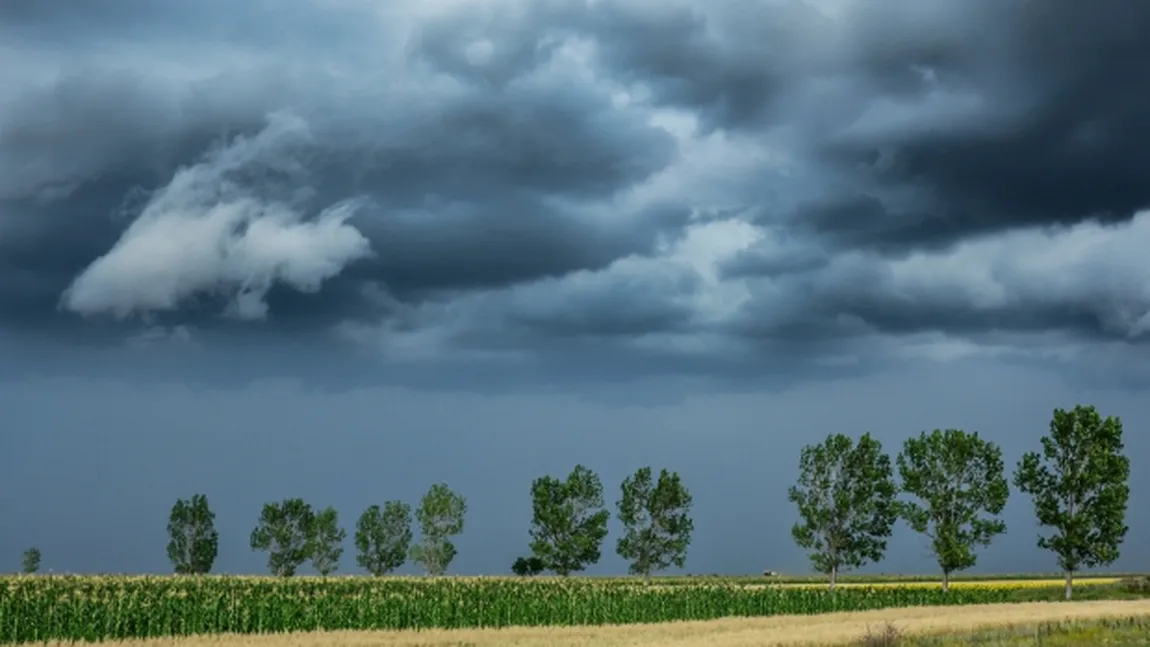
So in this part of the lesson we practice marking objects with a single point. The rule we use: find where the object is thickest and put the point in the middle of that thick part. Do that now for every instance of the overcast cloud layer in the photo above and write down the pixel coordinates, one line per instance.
(700, 187)
(504, 195)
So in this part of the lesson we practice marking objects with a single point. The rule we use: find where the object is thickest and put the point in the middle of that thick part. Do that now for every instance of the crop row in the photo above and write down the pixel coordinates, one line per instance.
(34, 609)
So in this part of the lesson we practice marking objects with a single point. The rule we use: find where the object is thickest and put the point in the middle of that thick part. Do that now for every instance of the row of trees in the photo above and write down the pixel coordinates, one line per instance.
(569, 524)
(957, 486)
(846, 494)
(292, 533)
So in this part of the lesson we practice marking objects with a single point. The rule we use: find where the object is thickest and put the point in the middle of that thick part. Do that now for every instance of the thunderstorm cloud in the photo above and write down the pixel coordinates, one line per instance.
(641, 200)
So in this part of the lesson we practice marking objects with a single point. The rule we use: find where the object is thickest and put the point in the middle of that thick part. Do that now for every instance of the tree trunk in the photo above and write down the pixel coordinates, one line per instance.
(945, 581)
(834, 576)
(647, 578)
(1069, 583)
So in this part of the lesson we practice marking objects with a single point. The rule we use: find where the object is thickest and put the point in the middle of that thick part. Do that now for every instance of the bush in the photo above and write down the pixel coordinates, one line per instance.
(1137, 585)
(525, 566)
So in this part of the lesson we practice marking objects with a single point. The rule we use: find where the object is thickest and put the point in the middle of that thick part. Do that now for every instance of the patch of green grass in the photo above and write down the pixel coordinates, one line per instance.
(1127, 632)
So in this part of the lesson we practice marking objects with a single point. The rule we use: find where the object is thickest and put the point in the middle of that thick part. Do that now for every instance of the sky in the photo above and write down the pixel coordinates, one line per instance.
(345, 249)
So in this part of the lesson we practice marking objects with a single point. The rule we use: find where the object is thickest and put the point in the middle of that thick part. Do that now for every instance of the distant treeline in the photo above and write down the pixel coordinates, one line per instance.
(953, 488)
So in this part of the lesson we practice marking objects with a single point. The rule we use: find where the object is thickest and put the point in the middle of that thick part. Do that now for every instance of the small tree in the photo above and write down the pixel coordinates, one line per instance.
(383, 537)
(194, 541)
(285, 532)
(957, 476)
(326, 541)
(440, 515)
(526, 566)
(30, 561)
(1079, 486)
(656, 520)
(569, 520)
(846, 500)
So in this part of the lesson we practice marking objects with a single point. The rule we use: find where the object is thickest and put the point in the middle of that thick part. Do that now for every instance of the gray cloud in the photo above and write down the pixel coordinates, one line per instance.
(578, 189)
(366, 246)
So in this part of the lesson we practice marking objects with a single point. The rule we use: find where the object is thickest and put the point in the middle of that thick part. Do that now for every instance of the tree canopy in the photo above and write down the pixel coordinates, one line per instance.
(656, 520)
(845, 496)
(1079, 485)
(958, 479)
(569, 521)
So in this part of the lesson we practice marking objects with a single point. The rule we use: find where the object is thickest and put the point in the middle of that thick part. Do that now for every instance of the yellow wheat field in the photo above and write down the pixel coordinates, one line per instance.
(826, 629)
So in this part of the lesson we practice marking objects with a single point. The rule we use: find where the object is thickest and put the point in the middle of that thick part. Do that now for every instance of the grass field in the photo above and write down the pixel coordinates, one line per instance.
(86, 608)
(940, 627)
(1114, 632)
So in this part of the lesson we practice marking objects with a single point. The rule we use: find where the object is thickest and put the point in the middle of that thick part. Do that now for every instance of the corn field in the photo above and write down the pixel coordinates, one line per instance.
(101, 608)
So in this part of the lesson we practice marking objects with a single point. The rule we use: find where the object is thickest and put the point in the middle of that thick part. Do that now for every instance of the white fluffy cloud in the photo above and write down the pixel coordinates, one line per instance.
(203, 234)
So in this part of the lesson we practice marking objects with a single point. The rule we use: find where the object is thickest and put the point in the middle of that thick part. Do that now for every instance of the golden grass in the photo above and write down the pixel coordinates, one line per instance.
(966, 584)
(825, 629)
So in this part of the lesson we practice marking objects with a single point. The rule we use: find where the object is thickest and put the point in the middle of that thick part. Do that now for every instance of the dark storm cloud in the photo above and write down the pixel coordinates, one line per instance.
(862, 221)
(1061, 119)
(277, 24)
(997, 114)
(466, 190)
(343, 249)
(690, 184)
(728, 63)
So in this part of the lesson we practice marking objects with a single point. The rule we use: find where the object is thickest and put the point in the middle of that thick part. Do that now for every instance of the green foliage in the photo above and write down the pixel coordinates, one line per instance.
(285, 532)
(846, 499)
(440, 515)
(194, 541)
(30, 560)
(656, 521)
(957, 476)
(569, 521)
(525, 566)
(325, 541)
(383, 537)
(90, 609)
(1079, 487)
(1136, 585)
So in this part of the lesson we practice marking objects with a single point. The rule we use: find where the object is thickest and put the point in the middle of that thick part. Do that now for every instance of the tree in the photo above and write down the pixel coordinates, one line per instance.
(569, 520)
(1079, 487)
(525, 566)
(383, 537)
(30, 561)
(325, 539)
(656, 520)
(194, 541)
(957, 476)
(846, 500)
(440, 515)
(285, 532)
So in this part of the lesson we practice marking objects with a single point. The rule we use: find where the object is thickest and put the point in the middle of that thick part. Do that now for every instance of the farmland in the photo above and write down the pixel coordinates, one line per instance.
(1015, 625)
(84, 608)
